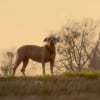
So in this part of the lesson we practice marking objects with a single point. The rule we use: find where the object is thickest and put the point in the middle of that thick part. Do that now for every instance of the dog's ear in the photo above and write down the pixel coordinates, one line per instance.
(45, 40)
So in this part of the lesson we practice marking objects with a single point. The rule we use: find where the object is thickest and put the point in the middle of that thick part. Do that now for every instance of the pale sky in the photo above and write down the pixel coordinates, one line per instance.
(29, 21)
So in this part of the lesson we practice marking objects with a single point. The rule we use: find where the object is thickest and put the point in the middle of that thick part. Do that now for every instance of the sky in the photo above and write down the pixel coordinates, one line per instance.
(30, 21)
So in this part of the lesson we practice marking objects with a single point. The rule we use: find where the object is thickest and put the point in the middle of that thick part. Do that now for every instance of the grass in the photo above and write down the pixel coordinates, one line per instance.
(71, 86)
(86, 74)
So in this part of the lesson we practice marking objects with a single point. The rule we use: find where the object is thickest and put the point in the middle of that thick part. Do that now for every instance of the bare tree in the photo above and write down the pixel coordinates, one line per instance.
(7, 63)
(74, 49)
(95, 56)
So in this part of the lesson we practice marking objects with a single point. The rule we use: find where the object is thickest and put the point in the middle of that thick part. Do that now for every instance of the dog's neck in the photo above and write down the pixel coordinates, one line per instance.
(50, 48)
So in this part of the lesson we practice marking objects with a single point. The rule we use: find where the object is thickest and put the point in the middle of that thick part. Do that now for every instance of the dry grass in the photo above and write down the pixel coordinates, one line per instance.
(70, 86)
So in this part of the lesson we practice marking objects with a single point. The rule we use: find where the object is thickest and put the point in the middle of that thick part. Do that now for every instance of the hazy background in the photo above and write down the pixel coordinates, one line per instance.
(29, 21)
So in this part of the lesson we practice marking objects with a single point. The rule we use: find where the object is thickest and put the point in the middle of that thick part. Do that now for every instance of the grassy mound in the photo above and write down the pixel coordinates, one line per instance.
(71, 86)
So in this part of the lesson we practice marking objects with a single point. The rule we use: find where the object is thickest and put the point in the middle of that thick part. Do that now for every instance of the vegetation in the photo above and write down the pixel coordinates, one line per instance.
(7, 63)
(75, 47)
(71, 86)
